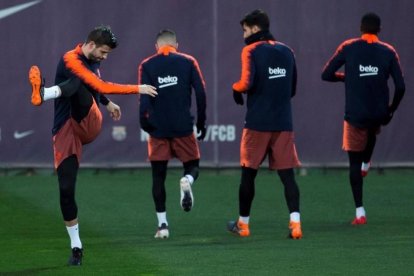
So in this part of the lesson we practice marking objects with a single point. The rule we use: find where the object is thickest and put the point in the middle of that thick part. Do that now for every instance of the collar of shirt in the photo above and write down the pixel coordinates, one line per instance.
(166, 50)
(259, 36)
(78, 49)
(370, 38)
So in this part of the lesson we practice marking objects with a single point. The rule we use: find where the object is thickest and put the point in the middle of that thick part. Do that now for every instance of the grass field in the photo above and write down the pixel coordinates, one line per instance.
(117, 224)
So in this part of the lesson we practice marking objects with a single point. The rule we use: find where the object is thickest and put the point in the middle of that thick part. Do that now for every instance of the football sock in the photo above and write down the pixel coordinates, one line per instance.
(244, 219)
(51, 93)
(162, 218)
(295, 216)
(360, 212)
(365, 166)
(190, 178)
(73, 232)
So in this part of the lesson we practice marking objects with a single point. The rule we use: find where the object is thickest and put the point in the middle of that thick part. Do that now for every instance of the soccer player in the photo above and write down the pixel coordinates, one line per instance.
(268, 78)
(168, 120)
(368, 63)
(77, 93)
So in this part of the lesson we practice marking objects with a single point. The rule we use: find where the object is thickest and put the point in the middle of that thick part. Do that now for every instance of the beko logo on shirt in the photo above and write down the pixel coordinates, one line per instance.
(277, 72)
(367, 70)
(167, 81)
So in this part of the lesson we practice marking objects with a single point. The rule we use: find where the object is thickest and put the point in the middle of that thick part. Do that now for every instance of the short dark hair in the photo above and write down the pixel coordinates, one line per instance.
(167, 34)
(370, 23)
(103, 35)
(256, 18)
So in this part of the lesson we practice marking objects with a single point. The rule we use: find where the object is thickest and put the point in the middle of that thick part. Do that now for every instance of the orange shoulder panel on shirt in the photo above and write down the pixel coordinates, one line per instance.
(74, 64)
(195, 65)
(392, 49)
(243, 84)
(371, 38)
(346, 43)
(339, 49)
(140, 68)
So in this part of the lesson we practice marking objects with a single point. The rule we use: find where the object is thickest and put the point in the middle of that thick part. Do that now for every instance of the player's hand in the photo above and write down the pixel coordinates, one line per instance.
(147, 89)
(114, 111)
(201, 131)
(238, 98)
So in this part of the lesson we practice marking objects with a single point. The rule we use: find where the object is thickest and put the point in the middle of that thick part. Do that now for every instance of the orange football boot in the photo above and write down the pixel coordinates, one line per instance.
(238, 228)
(295, 230)
(35, 79)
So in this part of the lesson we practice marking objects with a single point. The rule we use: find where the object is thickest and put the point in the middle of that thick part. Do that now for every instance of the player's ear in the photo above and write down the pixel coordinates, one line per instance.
(91, 45)
(255, 29)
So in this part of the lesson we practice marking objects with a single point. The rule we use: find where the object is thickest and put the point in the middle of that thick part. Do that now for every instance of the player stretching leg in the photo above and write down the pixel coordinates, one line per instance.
(78, 120)
(368, 63)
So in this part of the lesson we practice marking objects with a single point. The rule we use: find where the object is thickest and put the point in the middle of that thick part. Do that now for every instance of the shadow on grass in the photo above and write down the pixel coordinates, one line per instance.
(31, 271)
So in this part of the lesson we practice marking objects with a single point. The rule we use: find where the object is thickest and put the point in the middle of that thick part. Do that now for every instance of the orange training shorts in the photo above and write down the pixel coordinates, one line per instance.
(355, 139)
(279, 146)
(70, 138)
(183, 148)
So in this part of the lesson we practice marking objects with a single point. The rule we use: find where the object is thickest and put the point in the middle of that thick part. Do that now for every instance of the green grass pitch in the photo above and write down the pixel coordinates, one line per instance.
(118, 222)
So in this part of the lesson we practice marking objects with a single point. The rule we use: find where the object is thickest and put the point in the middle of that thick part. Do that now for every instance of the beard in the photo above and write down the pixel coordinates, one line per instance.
(94, 58)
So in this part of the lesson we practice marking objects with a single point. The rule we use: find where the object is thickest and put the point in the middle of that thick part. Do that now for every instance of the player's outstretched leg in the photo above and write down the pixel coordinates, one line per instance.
(40, 93)
(35, 78)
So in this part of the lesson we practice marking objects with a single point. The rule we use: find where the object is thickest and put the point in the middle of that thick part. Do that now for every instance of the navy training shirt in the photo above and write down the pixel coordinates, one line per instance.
(175, 75)
(269, 78)
(368, 65)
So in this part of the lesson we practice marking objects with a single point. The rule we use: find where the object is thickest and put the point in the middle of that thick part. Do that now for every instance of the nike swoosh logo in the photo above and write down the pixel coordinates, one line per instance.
(20, 135)
(15, 9)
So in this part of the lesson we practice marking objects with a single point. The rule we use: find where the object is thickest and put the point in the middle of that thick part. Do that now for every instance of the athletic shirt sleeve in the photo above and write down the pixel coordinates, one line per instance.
(247, 69)
(200, 93)
(144, 100)
(76, 66)
(329, 73)
(399, 84)
(294, 79)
